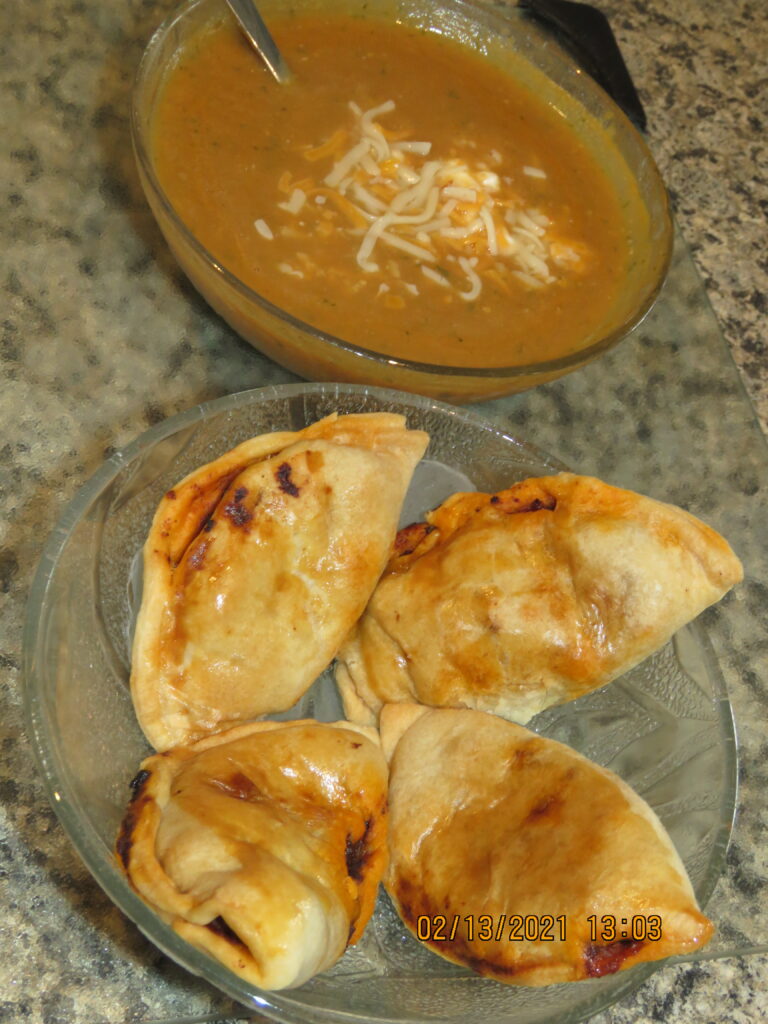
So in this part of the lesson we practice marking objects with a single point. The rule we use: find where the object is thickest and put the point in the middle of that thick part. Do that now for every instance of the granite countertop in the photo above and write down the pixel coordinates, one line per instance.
(102, 337)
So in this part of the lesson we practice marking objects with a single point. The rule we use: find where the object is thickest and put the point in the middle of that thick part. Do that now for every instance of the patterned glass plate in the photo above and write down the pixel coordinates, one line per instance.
(665, 727)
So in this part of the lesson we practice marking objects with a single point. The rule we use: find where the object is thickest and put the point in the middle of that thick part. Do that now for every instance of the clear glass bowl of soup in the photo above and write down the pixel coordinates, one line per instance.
(439, 201)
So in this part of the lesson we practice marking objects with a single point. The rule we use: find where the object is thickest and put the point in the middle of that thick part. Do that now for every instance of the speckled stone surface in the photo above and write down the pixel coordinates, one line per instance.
(701, 70)
(101, 337)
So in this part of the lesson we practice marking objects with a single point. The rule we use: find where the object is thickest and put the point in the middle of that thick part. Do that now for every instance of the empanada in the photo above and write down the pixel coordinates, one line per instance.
(263, 845)
(516, 601)
(515, 856)
(258, 564)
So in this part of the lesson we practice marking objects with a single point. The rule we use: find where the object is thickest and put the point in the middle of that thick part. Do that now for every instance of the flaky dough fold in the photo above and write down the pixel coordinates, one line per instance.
(516, 601)
(258, 564)
(263, 845)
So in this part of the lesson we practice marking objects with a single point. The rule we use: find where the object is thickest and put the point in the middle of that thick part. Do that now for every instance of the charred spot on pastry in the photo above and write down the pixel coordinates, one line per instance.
(601, 960)
(124, 842)
(235, 511)
(549, 503)
(197, 555)
(512, 502)
(220, 927)
(207, 498)
(138, 782)
(409, 538)
(170, 495)
(284, 481)
(357, 853)
(125, 839)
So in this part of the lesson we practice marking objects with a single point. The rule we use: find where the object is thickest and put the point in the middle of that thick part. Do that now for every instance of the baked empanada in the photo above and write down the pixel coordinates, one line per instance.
(515, 856)
(258, 564)
(516, 601)
(263, 845)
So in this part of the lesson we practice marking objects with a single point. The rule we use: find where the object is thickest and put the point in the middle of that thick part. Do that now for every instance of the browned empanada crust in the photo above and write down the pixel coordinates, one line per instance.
(258, 564)
(533, 596)
(494, 827)
(263, 845)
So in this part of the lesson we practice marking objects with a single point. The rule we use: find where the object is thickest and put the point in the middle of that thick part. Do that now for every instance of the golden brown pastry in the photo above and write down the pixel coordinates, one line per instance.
(264, 845)
(258, 564)
(517, 857)
(516, 601)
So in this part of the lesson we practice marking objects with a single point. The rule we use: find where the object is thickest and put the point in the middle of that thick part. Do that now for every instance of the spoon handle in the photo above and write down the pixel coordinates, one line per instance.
(257, 32)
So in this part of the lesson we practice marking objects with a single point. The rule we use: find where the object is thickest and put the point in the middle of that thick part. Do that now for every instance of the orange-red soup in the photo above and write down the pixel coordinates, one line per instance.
(399, 193)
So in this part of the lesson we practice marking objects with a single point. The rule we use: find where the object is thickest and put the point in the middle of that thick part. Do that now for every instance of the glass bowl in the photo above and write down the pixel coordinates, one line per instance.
(665, 727)
(508, 40)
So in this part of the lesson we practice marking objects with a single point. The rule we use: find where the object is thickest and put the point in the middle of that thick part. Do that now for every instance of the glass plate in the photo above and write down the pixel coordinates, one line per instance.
(665, 727)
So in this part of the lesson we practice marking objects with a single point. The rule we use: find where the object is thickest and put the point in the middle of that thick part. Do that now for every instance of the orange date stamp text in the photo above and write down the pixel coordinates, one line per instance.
(491, 928)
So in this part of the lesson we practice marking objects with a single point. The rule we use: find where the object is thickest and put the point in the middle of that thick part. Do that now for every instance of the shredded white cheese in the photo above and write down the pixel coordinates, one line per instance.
(475, 284)
(456, 192)
(295, 203)
(403, 196)
(435, 276)
(263, 229)
(422, 148)
(345, 165)
(286, 268)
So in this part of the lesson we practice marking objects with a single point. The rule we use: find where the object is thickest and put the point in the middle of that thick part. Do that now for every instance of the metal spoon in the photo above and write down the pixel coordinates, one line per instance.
(252, 24)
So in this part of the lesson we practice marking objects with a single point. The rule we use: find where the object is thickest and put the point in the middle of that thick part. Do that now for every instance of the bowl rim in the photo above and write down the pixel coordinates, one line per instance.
(554, 367)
